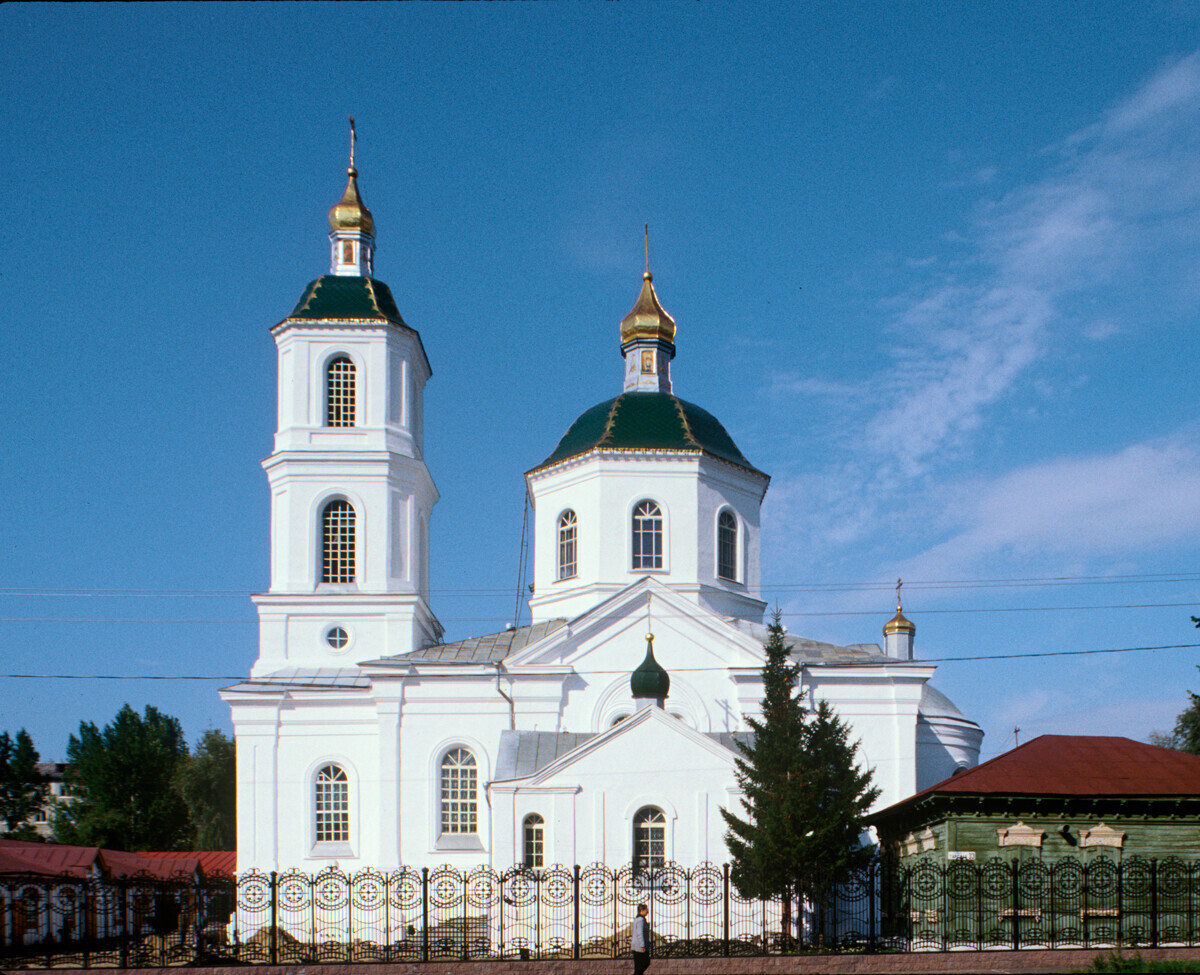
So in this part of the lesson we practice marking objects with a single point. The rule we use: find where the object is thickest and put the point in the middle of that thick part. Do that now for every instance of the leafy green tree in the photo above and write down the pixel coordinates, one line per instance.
(207, 781)
(123, 782)
(804, 795)
(23, 788)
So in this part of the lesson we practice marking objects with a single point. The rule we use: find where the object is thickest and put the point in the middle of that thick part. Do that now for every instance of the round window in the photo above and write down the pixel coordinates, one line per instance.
(337, 638)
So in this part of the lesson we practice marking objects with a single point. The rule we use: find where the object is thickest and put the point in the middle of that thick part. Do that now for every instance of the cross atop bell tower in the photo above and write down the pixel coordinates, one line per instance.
(352, 229)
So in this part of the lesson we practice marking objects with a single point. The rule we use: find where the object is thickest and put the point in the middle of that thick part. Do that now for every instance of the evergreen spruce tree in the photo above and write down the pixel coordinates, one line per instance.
(22, 787)
(804, 795)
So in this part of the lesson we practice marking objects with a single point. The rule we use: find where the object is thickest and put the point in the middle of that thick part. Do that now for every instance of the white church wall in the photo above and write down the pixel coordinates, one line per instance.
(591, 803)
(945, 745)
(439, 714)
(880, 705)
(604, 489)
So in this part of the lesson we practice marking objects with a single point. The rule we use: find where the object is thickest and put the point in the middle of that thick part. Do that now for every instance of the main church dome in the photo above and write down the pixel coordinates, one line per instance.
(638, 421)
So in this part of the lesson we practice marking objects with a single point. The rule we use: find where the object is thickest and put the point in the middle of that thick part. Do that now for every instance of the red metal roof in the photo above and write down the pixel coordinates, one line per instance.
(214, 863)
(1078, 765)
(56, 859)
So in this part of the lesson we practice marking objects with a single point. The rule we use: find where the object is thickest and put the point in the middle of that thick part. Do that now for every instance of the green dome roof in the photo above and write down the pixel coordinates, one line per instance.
(648, 421)
(345, 298)
(650, 680)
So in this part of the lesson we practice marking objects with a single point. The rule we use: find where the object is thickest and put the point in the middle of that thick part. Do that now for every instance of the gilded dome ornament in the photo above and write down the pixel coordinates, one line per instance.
(350, 213)
(899, 623)
(647, 319)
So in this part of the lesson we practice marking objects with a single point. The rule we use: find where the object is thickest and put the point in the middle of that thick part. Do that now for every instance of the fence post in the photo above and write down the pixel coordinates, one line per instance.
(123, 954)
(466, 950)
(273, 934)
(1121, 903)
(576, 954)
(350, 920)
(872, 886)
(424, 914)
(1153, 905)
(725, 908)
(1016, 907)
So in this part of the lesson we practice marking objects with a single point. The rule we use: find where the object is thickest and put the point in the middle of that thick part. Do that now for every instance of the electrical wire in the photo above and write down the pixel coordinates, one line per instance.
(797, 587)
(684, 670)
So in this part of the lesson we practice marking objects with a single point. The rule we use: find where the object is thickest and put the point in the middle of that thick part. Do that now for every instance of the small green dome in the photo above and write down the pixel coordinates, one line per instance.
(648, 421)
(650, 680)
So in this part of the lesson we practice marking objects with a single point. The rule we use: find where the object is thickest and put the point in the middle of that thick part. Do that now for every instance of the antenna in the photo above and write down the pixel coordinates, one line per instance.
(353, 139)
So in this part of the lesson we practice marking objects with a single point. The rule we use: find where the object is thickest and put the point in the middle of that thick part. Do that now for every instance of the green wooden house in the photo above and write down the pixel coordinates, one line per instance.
(1056, 796)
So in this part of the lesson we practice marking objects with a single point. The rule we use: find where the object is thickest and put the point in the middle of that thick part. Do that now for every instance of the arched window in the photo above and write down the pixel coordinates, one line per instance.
(649, 839)
(647, 536)
(337, 542)
(727, 532)
(534, 831)
(339, 393)
(460, 776)
(331, 805)
(567, 527)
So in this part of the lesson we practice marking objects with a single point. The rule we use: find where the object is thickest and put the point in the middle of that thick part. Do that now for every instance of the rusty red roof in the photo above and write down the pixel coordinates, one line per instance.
(57, 859)
(1077, 765)
(213, 863)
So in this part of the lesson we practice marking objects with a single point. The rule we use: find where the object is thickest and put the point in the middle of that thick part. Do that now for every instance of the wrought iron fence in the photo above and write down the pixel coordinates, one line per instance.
(586, 912)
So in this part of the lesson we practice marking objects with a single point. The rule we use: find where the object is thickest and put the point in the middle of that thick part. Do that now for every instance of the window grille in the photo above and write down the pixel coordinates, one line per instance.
(339, 393)
(727, 532)
(649, 839)
(460, 775)
(331, 801)
(337, 530)
(535, 837)
(647, 536)
(567, 527)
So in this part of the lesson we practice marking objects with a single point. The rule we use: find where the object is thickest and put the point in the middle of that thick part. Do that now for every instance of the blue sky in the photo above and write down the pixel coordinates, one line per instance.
(936, 267)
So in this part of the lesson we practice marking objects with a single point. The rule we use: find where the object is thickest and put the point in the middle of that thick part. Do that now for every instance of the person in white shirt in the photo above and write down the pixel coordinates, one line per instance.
(639, 941)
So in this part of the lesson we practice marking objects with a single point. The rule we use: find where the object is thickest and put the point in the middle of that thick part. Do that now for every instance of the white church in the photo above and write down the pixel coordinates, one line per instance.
(365, 741)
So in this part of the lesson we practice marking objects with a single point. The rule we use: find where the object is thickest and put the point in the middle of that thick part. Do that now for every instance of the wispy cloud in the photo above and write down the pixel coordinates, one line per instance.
(1090, 249)
(1077, 508)
(1121, 196)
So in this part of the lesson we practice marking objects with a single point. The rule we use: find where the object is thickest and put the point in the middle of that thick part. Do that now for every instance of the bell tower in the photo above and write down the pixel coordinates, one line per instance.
(350, 494)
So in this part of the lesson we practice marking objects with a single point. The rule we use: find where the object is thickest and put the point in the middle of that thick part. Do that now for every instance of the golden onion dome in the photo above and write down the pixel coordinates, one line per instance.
(647, 319)
(899, 624)
(350, 213)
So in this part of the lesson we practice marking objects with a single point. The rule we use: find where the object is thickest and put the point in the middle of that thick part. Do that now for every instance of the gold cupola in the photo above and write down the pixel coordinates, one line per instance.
(899, 631)
(351, 227)
(350, 213)
(647, 339)
(647, 319)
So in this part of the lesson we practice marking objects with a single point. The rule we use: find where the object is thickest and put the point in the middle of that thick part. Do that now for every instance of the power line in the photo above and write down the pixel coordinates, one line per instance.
(501, 619)
(861, 586)
(681, 670)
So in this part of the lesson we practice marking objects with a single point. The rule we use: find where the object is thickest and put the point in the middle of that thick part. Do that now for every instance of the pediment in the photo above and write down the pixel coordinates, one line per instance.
(625, 746)
(612, 636)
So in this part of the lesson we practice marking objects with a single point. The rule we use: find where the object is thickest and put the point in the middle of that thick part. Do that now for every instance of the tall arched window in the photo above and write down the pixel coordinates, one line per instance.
(647, 536)
(727, 532)
(567, 527)
(331, 805)
(534, 831)
(337, 542)
(339, 393)
(460, 778)
(649, 839)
